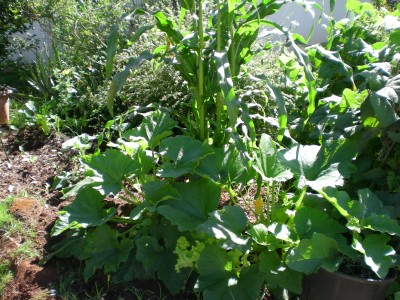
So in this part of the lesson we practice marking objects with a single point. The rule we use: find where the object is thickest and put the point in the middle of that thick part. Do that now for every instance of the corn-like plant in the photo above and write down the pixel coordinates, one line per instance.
(208, 46)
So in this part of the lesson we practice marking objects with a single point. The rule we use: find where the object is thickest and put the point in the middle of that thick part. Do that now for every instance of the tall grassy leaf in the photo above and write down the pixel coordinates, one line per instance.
(120, 78)
(112, 43)
(226, 85)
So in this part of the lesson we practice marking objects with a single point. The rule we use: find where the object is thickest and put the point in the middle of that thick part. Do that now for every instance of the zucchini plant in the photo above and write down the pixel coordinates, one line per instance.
(173, 225)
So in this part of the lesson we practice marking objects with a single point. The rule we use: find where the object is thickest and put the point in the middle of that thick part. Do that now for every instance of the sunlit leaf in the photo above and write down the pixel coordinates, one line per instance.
(217, 281)
(227, 225)
(312, 254)
(267, 164)
(87, 210)
(377, 254)
(184, 154)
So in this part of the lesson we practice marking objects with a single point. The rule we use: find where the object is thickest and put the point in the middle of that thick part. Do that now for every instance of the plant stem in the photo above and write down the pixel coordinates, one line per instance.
(273, 200)
(300, 201)
(232, 52)
(121, 220)
(130, 195)
(200, 74)
(219, 101)
(232, 195)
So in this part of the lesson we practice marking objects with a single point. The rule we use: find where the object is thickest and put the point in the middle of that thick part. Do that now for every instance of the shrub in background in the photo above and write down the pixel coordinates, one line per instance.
(15, 16)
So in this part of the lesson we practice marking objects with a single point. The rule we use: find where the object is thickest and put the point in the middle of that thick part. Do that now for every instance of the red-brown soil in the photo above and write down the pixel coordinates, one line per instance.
(28, 163)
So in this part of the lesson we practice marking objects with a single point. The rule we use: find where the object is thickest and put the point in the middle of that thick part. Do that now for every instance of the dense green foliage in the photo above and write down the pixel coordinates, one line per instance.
(15, 16)
(323, 191)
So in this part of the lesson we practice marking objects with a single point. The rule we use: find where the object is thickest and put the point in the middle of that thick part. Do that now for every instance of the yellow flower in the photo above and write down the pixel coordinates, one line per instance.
(258, 206)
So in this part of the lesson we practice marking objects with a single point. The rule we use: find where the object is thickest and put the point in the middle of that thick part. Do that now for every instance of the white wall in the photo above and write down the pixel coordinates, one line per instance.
(37, 33)
(294, 16)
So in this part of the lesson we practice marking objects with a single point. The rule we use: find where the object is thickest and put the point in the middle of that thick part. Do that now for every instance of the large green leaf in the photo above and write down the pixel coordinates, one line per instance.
(157, 191)
(71, 245)
(377, 254)
(340, 200)
(325, 165)
(383, 108)
(309, 220)
(353, 99)
(227, 225)
(104, 249)
(87, 210)
(267, 164)
(277, 274)
(312, 165)
(150, 253)
(226, 85)
(198, 198)
(311, 254)
(391, 91)
(112, 43)
(219, 280)
(168, 26)
(271, 236)
(372, 214)
(157, 257)
(120, 78)
(244, 37)
(155, 126)
(184, 154)
(224, 166)
(395, 37)
(111, 167)
(129, 270)
(332, 65)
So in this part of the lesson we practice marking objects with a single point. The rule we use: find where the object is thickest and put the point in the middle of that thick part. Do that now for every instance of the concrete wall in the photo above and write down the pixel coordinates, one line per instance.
(35, 34)
(294, 16)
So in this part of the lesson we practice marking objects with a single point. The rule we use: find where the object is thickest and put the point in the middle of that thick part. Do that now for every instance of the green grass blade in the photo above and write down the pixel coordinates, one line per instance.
(120, 78)
(112, 43)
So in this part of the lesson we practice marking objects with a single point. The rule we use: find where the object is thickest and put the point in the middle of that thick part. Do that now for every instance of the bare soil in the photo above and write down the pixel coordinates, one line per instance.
(28, 163)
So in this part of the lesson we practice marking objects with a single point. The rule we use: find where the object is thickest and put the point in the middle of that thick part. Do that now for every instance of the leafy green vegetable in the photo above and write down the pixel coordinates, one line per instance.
(197, 198)
(86, 211)
(103, 248)
(227, 225)
(219, 278)
(184, 153)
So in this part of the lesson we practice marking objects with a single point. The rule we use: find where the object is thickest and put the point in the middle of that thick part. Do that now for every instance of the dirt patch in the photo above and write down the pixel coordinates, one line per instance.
(28, 163)
(31, 281)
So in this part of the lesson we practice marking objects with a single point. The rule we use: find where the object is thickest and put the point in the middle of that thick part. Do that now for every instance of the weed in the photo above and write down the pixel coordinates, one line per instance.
(5, 274)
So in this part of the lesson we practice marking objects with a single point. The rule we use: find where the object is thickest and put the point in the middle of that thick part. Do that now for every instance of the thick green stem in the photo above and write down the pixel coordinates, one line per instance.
(121, 220)
(232, 195)
(200, 74)
(268, 202)
(232, 53)
(219, 99)
(300, 200)
(273, 200)
(130, 194)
